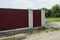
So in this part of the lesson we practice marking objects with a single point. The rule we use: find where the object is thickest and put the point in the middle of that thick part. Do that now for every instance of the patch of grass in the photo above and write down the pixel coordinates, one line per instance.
(51, 29)
(42, 28)
(47, 29)
(39, 30)
(54, 29)
(52, 19)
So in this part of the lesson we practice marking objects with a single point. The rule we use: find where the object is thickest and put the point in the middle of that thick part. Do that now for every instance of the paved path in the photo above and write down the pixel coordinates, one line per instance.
(55, 35)
(52, 24)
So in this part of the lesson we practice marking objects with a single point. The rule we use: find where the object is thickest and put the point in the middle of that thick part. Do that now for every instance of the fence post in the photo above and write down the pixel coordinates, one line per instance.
(42, 17)
(30, 18)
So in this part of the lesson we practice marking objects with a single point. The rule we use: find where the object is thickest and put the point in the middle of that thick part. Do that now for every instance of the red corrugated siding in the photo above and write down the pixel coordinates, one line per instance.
(13, 18)
(36, 18)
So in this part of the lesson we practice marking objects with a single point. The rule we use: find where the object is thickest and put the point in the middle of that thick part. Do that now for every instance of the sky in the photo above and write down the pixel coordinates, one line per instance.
(28, 4)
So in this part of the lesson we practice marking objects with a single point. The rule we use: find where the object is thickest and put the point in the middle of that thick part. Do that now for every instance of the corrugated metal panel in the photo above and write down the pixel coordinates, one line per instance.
(13, 18)
(36, 18)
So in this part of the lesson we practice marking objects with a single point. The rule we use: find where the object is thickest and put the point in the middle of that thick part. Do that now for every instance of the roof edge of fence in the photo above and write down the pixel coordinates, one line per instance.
(20, 8)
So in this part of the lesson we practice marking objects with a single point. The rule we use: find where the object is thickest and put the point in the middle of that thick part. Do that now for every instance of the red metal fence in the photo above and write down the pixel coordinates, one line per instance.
(13, 18)
(18, 18)
(36, 18)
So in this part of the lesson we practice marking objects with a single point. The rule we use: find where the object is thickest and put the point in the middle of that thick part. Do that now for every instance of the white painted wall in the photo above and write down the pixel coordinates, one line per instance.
(42, 17)
(30, 18)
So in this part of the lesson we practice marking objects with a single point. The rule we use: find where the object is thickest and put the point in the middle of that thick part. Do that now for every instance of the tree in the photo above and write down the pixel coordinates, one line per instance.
(56, 10)
(53, 12)
(47, 12)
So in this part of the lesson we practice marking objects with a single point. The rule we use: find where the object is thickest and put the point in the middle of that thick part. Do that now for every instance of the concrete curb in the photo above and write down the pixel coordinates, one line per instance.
(15, 37)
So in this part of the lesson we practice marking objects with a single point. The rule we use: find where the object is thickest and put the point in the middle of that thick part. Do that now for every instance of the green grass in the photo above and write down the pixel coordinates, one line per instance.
(54, 29)
(52, 19)
(49, 29)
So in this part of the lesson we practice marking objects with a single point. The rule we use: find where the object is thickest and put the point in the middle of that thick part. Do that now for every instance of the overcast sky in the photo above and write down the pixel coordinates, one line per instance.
(24, 4)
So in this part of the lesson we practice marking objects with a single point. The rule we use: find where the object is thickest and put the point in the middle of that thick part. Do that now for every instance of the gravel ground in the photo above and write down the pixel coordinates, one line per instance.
(52, 24)
(50, 35)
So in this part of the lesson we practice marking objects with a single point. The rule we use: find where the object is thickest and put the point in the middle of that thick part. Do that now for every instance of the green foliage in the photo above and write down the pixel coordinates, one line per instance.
(54, 29)
(42, 28)
(50, 28)
(53, 12)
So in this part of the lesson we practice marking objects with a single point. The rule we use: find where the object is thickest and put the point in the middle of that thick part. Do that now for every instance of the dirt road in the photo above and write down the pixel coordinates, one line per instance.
(51, 35)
